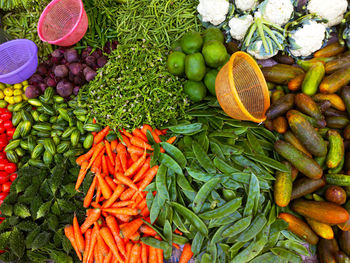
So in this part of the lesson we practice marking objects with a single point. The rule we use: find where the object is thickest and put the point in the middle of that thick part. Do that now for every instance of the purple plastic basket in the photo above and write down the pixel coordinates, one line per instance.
(18, 60)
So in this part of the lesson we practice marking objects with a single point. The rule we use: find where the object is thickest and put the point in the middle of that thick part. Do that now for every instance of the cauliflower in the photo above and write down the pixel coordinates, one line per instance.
(257, 50)
(307, 39)
(332, 10)
(277, 12)
(239, 26)
(213, 11)
(246, 5)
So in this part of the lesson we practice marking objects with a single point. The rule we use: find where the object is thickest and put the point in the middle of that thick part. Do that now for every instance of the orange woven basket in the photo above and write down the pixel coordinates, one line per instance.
(241, 89)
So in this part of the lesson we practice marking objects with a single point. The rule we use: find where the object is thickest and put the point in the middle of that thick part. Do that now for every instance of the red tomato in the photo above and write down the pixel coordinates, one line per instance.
(3, 163)
(6, 116)
(2, 128)
(8, 124)
(10, 168)
(1, 201)
(13, 177)
(3, 143)
(5, 187)
(3, 196)
(2, 156)
(4, 177)
(10, 132)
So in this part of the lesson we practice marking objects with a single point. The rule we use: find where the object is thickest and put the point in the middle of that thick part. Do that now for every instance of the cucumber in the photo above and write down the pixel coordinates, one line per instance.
(58, 99)
(16, 118)
(36, 163)
(20, 152)
(19, 106)
(48, 94)
(12, 145)
(88, 141)
(17, 133)
(336, 149)
(25, 128)
(80, 127)
(111, 136)
(63, 147)
(43, 134)
(307, 135)
(26, 116)
(42, 127)
(304, 186)
(35, 102)
(58, 127)
(337, 122)
(12, 156)
(91, 127)
(81, 117)
(48, 110)
(24, 145)
(53, 119)
(280, 107)
(68, 132)
(308, 106)
(74, 138)
(44, 117)
(47, 157)
(31, 143)
(283, 187)
(56, 140)
(338, 179)
(38, 150)
(35, 115)
(64, 114)
(50, 146)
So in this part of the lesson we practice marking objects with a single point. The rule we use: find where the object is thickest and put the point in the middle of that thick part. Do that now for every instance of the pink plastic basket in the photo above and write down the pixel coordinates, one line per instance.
(63, 22)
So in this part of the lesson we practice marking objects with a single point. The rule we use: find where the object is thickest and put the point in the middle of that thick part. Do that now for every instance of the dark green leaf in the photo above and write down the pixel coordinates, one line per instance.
(36, 256)
(66, 206)
(58, 256)
(21, 211)
(35, 205)
(27, 225)
(6, 209)
(4, 237)
(31, 236)
(17, 242)
(43, 210)
(41, 240)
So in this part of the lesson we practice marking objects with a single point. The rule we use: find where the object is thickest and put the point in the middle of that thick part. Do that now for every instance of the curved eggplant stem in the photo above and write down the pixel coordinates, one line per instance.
(273, 37)
(250, 35)
(261, 32)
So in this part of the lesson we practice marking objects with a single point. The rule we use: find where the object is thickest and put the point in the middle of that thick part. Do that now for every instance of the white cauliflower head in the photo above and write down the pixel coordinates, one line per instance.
(257, 50)
(213, 11)
(332, 10)
(246, 5)
(307, 39)
(239, 26)
(277, 12)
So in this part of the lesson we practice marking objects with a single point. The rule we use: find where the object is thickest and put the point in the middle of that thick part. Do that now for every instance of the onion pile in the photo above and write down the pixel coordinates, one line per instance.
(67, 70)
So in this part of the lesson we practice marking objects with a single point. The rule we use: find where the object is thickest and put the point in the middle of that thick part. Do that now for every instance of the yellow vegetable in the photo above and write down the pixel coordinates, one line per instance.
(25, 87)
(17, 86)
(2, 95)
(25, 83)
(17, 92)
(8, 92)
(24, 97)
(17, 98)
(11, 100)
(2, 86)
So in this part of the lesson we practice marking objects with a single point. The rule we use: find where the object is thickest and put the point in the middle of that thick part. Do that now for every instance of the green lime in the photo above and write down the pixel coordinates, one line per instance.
(191, 42)
(195, 90)
(209, 80)
(214, 53)
(3, 104)
(195, 67)
(213, 33)
(176, 63)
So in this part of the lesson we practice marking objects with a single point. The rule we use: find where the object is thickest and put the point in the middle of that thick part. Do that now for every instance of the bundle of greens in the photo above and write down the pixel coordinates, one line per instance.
(41, 202)
(133, 88)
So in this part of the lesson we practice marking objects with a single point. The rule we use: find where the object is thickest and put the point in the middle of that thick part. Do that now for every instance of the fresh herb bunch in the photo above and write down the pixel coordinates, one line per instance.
(133, 88)
(157, 21)
(41, 202)
(216, 188)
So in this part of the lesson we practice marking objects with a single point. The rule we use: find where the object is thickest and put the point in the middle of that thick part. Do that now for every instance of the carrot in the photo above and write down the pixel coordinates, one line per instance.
(97, 254)
(126, 141)
(143, 170)
(86, 156)
(148, 177)
(137, 132)
(121, 150)
(114, 145)
(114, 228)
(171, 140)
(103, 248)
(98, 193)
(127, 194)
(146, 127)
(144, 253)
(118, 165)
(101, 135)
(186, 253)
(147, 230)
(69, 233)
(160, 255)
(98, 162)
(110, 166)
(78, 236)
(164, 131)
(138, 200)
(81, 174)
(110, 182)
(123, 218)
(131, 228)
(158, 132)
(135, 150)
(95, 205)
(104, 165)
(98, 149)
(142, 204)
(135, 166)
(128, 251)
(176, 246)
(87, 245)
(135, 237)
(140, 143)
(90, 220)
(123, 203)
(109, 151)
(178, 232)
(123, 211)
(94, 234)
(105, 189)
(126, 180)
(109, 240)
(117, 192)
(152, 255)
(155, 137)
(109, 257)
(145, 212)
(135, 253)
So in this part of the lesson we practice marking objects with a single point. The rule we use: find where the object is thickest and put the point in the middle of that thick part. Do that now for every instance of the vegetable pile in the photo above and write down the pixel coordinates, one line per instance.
(12, 94)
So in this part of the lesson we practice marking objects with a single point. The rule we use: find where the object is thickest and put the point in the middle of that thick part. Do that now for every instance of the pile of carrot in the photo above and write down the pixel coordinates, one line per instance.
(116, 200)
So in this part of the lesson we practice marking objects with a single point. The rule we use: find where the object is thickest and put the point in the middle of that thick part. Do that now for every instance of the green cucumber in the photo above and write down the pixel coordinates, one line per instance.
(25, 128)
(12, 145)
(38, 150)
(50, 146)
(338, 179)
(74, 138)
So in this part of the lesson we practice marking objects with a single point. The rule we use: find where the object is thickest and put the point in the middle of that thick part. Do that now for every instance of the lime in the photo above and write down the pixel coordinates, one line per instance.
(3, 104)
(191, 42)
(214, 53)
(195, 90)
(195, 67)
(176, 63)
(213, 33)
(209, 80)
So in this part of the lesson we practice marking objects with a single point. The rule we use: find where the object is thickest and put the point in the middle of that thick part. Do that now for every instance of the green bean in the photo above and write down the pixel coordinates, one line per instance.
(203, 194)
(286, 254)
(161, 178)
(251, 205)
(217, 198)
(235, 248)
(199, 175)
(153, 227)
(156, 155)
(216, 150)
(212, 249)
(227, 133)
(168, 232)
(224, 210)
(225, 220)
(268, 257)
(191, 217)
(295, 246)
(228, 194)
(206, 258)
(186, 128)
(269, 162)
(237, 227)
(157, 205)
(179, 224)
(175, 153)
(197, 243)
(256, 226)
(150, 138)
(180, 240)
(223, 166)
(254, 143)
(150, 241)
(170, 163)
(228, 183)
(149, 199)
(172, 188)
(184, 184)
(203, 158)
(217, 237)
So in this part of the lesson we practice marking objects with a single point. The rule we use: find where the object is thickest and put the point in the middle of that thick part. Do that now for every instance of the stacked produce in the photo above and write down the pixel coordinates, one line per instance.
(12, 94)
(315, 137)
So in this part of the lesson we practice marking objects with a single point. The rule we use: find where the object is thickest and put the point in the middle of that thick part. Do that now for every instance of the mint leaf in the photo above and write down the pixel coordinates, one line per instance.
(21, 211)
(6, 209)
(26, 225)
(66, 206)
(4, 239)
(35, 256)
(41, 240)
(35, 205)
(57, 176)
(43, 210)
(22, 183)
(31, 236)
(58, 256)
(17, 242)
